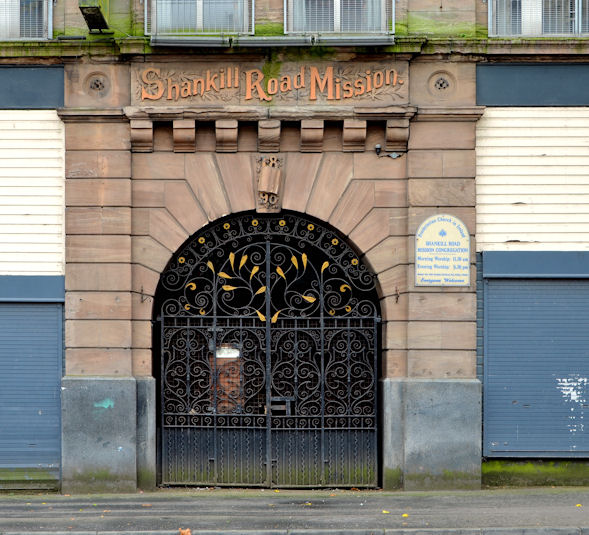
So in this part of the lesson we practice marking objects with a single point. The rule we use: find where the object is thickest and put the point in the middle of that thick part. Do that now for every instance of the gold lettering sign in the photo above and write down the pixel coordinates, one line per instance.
(367, 83)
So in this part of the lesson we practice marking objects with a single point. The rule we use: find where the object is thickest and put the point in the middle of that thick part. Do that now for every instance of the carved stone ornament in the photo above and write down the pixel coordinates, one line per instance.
(141, 135)
(269, 184)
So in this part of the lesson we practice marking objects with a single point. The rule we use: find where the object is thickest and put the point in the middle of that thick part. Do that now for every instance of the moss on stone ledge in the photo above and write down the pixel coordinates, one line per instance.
(535, 472)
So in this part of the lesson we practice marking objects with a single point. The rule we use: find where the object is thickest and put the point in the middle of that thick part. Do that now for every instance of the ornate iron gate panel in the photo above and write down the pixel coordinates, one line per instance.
(269, 346)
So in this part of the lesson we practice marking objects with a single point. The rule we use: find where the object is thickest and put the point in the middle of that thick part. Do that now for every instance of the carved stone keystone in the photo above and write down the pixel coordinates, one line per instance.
(269, 184)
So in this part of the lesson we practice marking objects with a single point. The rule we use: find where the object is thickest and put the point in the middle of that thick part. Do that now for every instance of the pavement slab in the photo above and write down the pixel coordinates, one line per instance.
(545, 511)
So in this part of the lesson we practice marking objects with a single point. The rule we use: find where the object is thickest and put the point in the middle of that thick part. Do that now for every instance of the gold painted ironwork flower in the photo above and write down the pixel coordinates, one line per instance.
(310, 226)
(335, 241)
(181, 260)
(282, 222)
(354, 261)
(201, 240)
(255, 222)
(226, 226)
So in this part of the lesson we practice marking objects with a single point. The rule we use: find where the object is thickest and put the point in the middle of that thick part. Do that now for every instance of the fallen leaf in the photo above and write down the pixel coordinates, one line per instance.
(332, 494)
(106, 511)
(355, 489)
(276, 490)
(578, 505)
(146, 505)
(185, 531)
(385, 512)
(405, 515)
(308, 503)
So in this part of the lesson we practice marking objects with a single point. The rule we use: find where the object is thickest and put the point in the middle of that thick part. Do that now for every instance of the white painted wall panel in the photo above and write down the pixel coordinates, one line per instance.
(533, 179)
(32, 189)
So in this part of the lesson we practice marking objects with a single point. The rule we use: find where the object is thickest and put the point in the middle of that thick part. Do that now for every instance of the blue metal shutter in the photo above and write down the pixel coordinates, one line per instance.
(536, 368)
(30, 381)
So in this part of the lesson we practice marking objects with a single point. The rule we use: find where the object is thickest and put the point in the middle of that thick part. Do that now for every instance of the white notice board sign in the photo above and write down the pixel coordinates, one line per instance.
(442, 252)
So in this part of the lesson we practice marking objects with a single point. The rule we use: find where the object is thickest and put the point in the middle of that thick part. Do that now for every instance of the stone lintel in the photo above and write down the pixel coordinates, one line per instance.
(184, 135)
(312, 131)
(226, 133)
(269, 136)
(354, 135)
(141, 135)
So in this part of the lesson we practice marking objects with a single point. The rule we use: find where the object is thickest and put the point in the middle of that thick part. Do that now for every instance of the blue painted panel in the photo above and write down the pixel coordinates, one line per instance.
(30, 386)
(32, 288)
(536, 264)
(538, 84)
(29, 88)
(536, 369)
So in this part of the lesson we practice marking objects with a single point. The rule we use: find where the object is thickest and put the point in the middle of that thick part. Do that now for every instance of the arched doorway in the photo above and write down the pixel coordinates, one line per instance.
(266, 346)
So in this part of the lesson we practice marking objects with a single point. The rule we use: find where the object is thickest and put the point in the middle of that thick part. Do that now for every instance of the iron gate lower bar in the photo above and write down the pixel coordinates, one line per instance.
(242, 439)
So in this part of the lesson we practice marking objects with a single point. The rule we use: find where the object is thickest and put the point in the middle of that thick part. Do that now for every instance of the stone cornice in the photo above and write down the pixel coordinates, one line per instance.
(454, 114)
(256, 113)
(92, 115)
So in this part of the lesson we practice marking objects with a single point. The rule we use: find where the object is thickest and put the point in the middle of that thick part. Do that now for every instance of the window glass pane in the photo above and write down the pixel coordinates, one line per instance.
(361, 15)
(558, 16)
(318, 15)
(223, 15)
(31, 19)
(207, 16)
(176, 16)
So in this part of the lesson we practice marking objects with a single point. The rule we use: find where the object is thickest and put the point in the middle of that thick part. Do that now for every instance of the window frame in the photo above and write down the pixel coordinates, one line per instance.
(579, 26)
(47, 22)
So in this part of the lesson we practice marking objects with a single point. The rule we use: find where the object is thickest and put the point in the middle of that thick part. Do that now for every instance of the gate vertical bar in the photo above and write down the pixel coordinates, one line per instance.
(164, 457)
(268, 369)
(214, 382)
(322, 461)
(375, 410)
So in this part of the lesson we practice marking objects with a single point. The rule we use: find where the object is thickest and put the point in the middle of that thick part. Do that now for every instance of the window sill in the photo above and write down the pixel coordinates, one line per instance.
(274, 40)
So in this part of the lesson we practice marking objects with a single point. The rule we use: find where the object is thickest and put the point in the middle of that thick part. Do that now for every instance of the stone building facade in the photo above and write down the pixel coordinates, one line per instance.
(166, 135)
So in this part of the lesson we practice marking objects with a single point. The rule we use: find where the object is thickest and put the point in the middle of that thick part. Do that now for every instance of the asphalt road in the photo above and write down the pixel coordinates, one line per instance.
(217, 509)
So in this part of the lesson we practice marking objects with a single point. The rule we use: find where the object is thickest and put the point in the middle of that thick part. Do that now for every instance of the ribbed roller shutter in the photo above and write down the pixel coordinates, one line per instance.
(536, 368)
(30, 375)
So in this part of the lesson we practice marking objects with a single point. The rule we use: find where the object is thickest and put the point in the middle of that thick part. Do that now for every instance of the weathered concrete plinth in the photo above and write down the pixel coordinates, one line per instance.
(99, 434)
(431, 433)
(146, 433)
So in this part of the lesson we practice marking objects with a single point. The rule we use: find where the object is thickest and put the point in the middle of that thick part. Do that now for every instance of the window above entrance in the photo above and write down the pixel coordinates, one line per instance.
(538, 18)
(339, 16)
(198, 17)
(25, 19)
(225, 23)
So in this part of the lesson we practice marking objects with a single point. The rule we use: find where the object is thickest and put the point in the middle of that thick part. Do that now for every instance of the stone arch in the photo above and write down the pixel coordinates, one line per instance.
(364, 197)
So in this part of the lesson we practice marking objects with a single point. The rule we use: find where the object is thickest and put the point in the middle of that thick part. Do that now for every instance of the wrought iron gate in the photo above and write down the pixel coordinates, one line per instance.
(269, 331)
